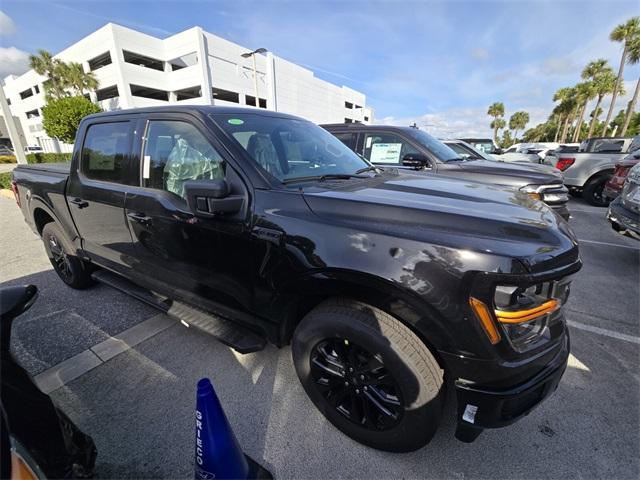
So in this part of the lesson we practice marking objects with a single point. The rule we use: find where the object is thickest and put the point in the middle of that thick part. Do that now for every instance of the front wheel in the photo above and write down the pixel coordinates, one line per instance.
(71, 270)
(593, 191)
(369, 375)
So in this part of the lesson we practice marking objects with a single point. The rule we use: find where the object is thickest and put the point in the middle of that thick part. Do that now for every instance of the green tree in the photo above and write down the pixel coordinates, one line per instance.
(566, 97)
(44, 64)
(633, 57)
(518, 121)
(61, 116)
(506, 141)
(496, 110)
(585, 91)
(625, 33)
(78, 79)
(603, 80)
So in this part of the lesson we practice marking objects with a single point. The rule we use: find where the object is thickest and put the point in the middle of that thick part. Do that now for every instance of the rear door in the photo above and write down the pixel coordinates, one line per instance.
(96, 191)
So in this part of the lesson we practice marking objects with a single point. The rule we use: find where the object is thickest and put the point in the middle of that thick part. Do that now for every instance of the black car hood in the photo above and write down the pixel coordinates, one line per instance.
(534, 174)
(446, 211)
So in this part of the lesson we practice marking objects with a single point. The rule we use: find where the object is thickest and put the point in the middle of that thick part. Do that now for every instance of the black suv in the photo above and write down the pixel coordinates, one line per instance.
(413, 149)
(258, 226)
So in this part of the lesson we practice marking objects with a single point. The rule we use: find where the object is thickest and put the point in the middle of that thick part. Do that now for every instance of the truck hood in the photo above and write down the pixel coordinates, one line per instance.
(531, 173)
(445, 211)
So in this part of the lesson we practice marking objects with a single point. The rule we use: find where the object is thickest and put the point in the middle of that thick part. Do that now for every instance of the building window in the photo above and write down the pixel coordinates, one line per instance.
(32, 113)
(36, 89)
(348, 120)
(184, 61)
(366, 119)
(251, 100)
(357, 106)
(26, 94)
(8, 101)
(147, 92)
(348, 105)
(187, 93)
(226, 95)
(100, 61)
(143, 61)
(108, 92)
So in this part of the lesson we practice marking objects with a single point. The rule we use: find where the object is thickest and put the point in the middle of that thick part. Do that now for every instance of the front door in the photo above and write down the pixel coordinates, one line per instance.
(181, 252)
(97, 189)
(386, 149)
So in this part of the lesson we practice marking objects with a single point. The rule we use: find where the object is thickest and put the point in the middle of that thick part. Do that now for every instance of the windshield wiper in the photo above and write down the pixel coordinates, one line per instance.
(322, 178)
(370, 168)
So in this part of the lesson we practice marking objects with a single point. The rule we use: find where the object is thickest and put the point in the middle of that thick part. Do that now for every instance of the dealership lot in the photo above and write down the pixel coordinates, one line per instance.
(138, 405)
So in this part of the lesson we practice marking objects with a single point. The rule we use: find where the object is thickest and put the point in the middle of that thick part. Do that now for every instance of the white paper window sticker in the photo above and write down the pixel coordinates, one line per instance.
(469, 414)
(385, 153)
(369, 139)
(146, 165)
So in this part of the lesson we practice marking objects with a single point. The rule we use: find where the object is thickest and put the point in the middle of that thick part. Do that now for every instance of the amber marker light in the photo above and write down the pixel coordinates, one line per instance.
(484, 315)
(521, 316)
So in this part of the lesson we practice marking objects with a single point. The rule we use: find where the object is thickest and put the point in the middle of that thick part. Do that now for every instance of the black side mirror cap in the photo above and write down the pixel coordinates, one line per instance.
(415, 160)
(209, 198)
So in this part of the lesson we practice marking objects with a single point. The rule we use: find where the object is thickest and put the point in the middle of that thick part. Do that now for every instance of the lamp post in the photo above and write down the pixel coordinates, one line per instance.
(255, 70)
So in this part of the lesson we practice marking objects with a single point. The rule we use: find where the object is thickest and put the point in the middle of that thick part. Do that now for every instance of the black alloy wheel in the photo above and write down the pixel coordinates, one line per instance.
(60, 259)
(356, 384)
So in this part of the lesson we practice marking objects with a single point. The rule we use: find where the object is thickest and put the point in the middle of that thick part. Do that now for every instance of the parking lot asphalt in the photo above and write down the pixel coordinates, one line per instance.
(139, 405)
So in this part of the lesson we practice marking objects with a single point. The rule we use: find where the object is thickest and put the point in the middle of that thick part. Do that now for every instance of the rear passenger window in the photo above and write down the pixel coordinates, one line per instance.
(105, 153)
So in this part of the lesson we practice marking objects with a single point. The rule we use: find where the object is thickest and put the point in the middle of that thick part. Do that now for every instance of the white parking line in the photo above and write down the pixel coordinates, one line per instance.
(609, 244)
(605, 332)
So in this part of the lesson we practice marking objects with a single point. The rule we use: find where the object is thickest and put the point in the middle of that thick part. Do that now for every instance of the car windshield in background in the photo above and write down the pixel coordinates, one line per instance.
(289, 148)
(434, 146)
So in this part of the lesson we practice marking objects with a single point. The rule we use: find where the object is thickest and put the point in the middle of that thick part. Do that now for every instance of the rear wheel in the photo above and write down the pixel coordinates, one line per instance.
(369, 375)
(593, 191)
(71, 270)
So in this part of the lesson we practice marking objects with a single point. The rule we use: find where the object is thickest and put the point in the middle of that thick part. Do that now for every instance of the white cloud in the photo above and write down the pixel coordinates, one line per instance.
(480, 53)
(13, 61)
(7, 27)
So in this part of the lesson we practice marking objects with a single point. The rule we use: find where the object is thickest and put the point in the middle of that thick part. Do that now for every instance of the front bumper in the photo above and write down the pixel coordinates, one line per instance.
(623, 220)
(561, 210)
(482, 407)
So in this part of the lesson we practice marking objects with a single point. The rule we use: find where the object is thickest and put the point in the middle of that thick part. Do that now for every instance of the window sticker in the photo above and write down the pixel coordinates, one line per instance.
(385, 152)
(235, 121)
(368, 145)
(146, 166)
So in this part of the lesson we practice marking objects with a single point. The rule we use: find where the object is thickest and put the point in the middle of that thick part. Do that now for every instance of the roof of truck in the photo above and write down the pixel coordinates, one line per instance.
(199, 109)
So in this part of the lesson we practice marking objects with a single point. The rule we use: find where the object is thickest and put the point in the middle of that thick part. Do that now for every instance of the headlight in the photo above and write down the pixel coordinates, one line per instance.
(522, 314)
(533, 191)
(547, 193)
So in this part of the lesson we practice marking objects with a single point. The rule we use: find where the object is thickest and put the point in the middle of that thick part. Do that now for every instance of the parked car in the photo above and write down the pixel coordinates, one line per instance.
(37, 439)
(624, 210)
(487, 145)
(614, 186)
(587, 171)
(260, 226)
(552, 155)
(33, 149)
(467, 151)
(527, 152)
(6, 151)
(408, 148)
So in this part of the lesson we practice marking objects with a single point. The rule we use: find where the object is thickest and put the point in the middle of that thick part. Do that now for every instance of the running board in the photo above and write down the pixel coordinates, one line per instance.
(230, 333)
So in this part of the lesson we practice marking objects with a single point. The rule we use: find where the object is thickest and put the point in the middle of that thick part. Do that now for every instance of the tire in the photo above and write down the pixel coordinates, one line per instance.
(71, 270)
(375, 360)
(592, 192)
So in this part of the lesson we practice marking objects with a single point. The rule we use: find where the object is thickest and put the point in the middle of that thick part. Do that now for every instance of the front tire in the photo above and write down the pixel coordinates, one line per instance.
(71, 270)
(369, 375)
(593, 191)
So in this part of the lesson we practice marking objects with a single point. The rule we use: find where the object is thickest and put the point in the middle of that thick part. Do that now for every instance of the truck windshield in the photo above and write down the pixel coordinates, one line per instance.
(434, 146)
(290, 148)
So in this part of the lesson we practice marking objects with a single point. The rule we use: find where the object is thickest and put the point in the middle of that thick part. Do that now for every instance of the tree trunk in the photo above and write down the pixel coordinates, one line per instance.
(576, 134)
(495, 131)
(565, 129)
(555, 138)
(630, 109)
(612, 105)
(594, 120)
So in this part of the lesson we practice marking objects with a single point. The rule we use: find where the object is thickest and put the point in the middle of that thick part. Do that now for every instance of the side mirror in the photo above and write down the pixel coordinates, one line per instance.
(210, 198)
(415, 160)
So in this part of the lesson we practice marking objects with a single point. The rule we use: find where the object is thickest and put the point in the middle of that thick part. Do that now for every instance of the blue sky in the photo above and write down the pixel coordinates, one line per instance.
(437, 63)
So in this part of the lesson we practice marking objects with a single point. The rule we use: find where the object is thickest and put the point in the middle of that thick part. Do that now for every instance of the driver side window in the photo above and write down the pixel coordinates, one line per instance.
(386, 148)
(175, 152)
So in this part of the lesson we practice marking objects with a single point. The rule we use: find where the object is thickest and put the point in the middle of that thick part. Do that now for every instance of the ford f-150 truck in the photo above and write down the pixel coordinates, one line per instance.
(258, 227)
(413, 149)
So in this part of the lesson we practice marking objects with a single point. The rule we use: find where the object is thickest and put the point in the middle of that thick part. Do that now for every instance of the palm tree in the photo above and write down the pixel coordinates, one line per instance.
(632, 58)
(518, 121)
(496, 110)
(604, 80)
(566, 97)
(622, 33)
(584, 92)
(497, 124)
(79, 79)
(44, 64)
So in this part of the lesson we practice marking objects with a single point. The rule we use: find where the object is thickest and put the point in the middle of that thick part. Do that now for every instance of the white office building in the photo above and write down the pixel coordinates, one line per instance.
(192, 67)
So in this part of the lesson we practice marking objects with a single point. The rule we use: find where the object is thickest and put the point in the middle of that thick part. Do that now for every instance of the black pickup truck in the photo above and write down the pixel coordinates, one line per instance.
(262, 227)
(412, 149)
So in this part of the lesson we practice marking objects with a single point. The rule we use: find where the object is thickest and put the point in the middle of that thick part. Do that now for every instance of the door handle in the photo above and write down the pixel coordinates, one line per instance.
(140, 218)
(78, 202)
